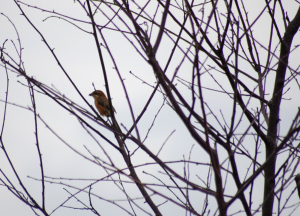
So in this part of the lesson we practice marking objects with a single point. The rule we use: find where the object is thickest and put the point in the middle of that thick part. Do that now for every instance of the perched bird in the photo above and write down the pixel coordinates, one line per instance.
(101, 103)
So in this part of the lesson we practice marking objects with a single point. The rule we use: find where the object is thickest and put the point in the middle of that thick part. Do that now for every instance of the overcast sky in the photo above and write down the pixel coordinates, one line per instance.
(78, 55)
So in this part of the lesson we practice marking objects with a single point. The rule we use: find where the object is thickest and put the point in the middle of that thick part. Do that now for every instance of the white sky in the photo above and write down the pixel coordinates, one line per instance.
(77, 53)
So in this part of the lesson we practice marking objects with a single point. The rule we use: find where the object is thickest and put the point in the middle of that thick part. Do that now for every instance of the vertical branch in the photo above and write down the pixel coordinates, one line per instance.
(6, 94)
(124, 87)
(31, 91)
(235, 89)
(274, 113)
(162, 27)
(101, 58)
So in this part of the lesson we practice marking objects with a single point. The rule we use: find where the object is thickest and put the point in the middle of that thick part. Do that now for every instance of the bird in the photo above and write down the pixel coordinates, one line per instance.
(101, 103)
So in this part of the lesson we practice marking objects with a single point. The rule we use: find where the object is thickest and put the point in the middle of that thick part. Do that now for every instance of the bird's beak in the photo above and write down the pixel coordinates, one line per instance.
(91, 94)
